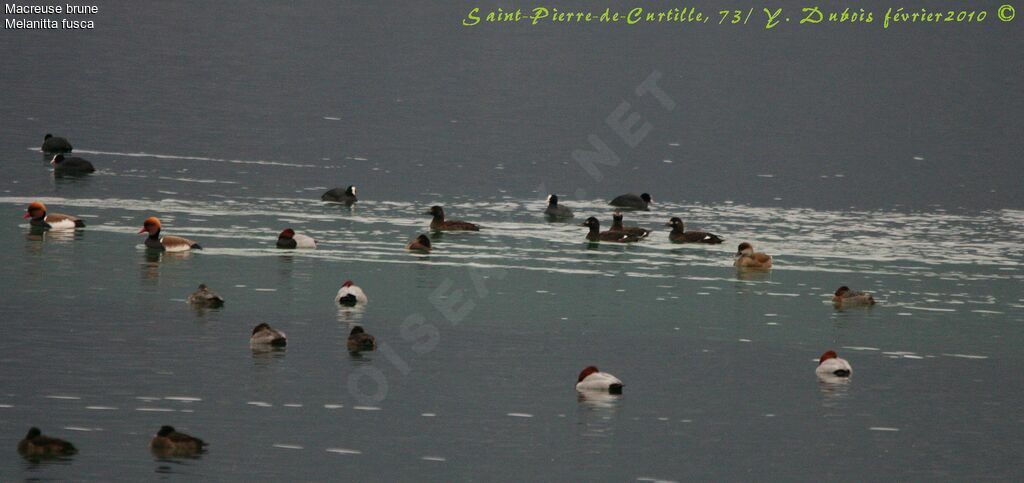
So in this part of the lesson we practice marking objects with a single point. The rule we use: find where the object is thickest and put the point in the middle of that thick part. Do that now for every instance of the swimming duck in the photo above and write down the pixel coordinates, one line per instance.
(70, 166)
(169, 442)
(555, 211)
(631, 201)
(680, 235)
(844, 297)
(359, 340)
(830, 365)
(347, 195)
(419, 244)
(204, 297)
(350, 294)
(747, 258)
(596, 235)
(439, 223)
(632, 230)
(264, 334)
(55, 145)
(593, 380)
(36, 444)
(167, 243)
(291, 240)
(53, 221)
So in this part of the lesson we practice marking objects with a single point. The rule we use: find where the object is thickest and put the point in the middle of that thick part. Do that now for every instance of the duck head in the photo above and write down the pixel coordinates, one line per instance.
(351, 190)
(676, 223)
(151, 226)
(826, 356)
(586, 372)
(423, 240)
(348, 283)
(356, 330)
(287, 234)
(840, 292)
(35, 210)
(47, 136)
(436, 211)
(261, 327)
(165, 430)
(647, 198)
(552, 200)
(57, 159)
(591, 223)
(745, 249)
(33, 432)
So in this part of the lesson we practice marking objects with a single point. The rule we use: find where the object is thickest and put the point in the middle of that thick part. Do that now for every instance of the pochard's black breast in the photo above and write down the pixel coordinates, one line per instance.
(153, 242)
(287, 243)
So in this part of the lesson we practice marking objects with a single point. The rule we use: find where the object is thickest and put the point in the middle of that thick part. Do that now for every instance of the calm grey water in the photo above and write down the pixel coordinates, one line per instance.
(881, 160)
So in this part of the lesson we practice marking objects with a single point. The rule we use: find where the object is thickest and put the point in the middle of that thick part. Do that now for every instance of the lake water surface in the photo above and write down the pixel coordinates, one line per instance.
(229, 130)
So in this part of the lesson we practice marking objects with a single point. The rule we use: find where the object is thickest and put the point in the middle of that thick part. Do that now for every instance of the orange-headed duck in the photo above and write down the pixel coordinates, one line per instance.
(339, 195)
(596, 235)
(593, 380)
(747, 258)
(70, 166)
(830, 365)
(55, 145)
(419, 244)
(204, 297)
(169, 442)
(632, 230)
(359, 340)
(39, 218)
(36, 444)
(264, 334)
(555, 211)
(167, 243)
(631, 201)
(680, 235)
(350, 294)
(845, 297)
(439, 223)
(291, 240)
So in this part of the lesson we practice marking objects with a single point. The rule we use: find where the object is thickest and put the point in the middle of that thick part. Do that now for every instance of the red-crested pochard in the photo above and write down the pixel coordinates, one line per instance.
(167, 243)
(39, 218)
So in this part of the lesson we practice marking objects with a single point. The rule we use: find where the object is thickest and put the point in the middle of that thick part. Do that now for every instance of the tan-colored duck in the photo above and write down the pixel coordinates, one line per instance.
(748, 259)
(845, 297)
(419, 244)
(169, 442)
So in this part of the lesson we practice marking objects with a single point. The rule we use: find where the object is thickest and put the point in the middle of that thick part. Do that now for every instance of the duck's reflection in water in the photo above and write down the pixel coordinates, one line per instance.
(596, 412)
(834, 390)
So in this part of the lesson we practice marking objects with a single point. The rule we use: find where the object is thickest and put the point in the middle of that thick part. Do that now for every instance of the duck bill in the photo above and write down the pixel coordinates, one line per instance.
(142, 230)
(27, 215)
